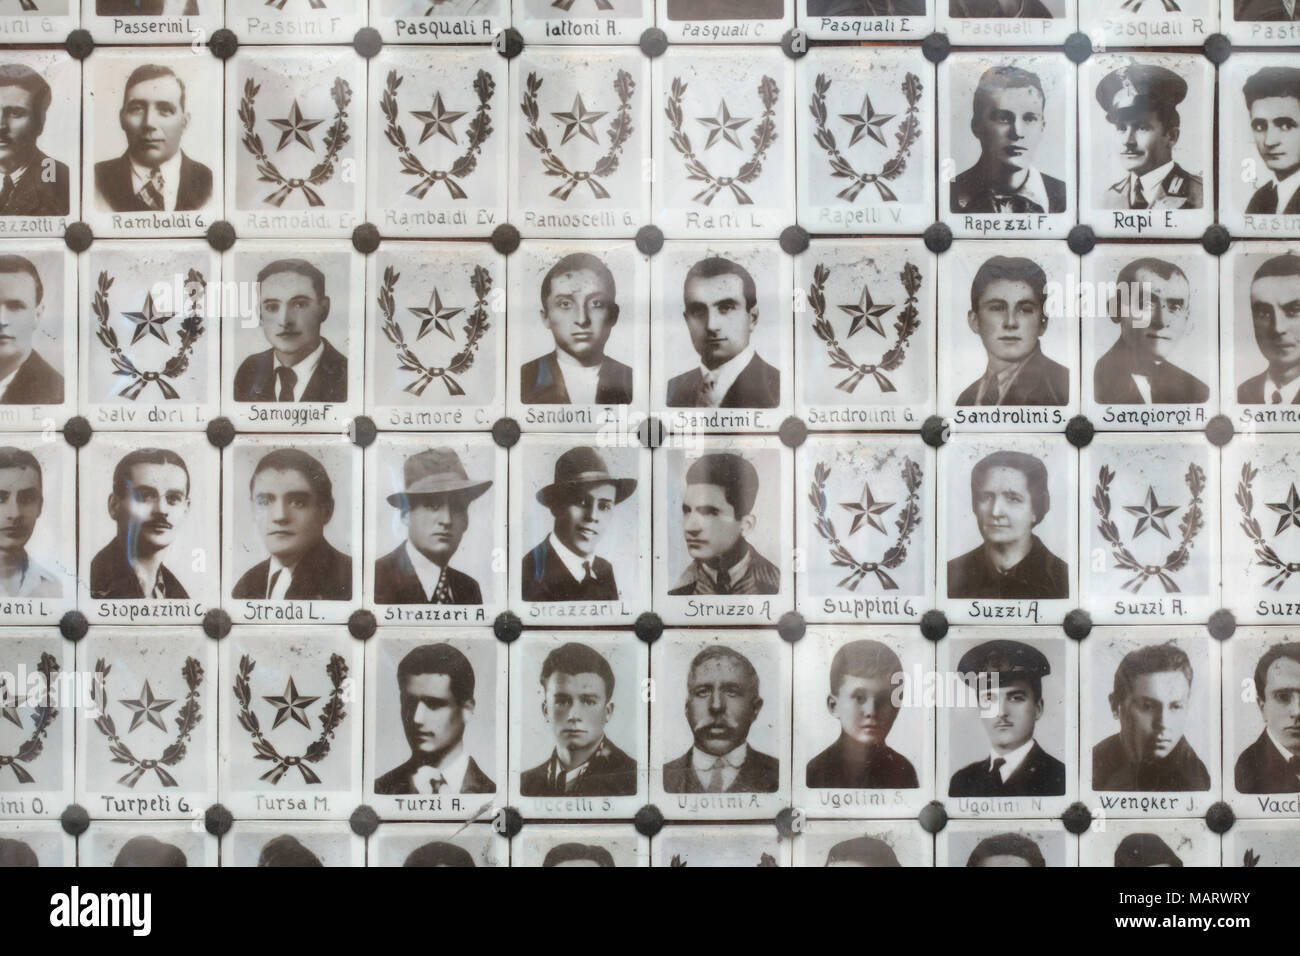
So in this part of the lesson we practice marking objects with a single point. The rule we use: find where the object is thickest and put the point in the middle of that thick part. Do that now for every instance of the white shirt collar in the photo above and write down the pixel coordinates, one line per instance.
(304, 370)
(704, 761)
(283, 582)
(725, 375)
(1034, 189)
(1286, 189)
(427, 571)
(571, 559)
(4, 382)
(452, 771)
(171, 174)
(16, 175)
(579, 380)
(1013, 759)
(1289, 390)
(1286, 754)
(1151, 181)
(1143, 384)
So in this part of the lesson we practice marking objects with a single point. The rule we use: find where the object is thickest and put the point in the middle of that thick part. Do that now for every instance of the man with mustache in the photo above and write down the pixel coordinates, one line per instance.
(436, 686)
(154, 174)
(1136, 370)
(301, 365)
(1011, 707)
(31, 183)
(1009, 497)
(21, 502)
(1152, 690)
(1273, 99)
(1141, 102)
(722, 703)
(150, 496)
(25, 377)
(581, 499)
(1275, 314)
(1008, 298)
(1008, 117)
(1272, 763)
(865, 675)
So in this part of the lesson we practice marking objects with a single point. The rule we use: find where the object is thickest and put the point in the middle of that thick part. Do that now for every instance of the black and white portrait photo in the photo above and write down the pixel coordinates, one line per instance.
(1009, 843)
(583, 21)
(1266, 765)
(297, 503)
(36, 843)
(294, 844)
(37, 516)
(582, 720)
(721, 725)
(1149, 712)
(38, 337)
(1260, 323)
(144, 843)
(38, 104)
(1259, 122)
(1169, 844)
(570, 845)
(36, 734)
(840, 843)
(439, 518)
(1261, 22)
(437, 845)
(733, 845)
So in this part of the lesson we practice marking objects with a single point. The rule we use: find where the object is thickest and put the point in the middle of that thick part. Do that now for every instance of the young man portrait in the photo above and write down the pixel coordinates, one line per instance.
(1273, 101)
(1272, 763)
(21, 501)
(25, 377)
(149, 499)
(1275, 316)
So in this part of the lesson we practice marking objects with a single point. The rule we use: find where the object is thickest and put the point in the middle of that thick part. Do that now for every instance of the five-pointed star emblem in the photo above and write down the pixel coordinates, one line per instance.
(723, 125)
(1151, 514)
(291, 705)
(437, 119)
(866, 312)
(578, 121)
(437, 315)
(149, 321)
(8, 707)
(146, 707)
(296, 127)
(867, 122)
(1288, 511)
(865, 511)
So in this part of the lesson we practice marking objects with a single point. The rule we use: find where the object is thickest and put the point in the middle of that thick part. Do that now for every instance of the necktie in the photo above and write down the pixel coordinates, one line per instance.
(715, 776)
(428, 780)
(996, 771)
(151, 193)
(270, 585)
(1016, 204)
(441, 592)
(1275, 398)
(1139, 197)
(709, 392)
(159, 588)
(6, 192)
(1267, 204)
(587, 576)
(723, 585)
(561, 779)
(288, 379)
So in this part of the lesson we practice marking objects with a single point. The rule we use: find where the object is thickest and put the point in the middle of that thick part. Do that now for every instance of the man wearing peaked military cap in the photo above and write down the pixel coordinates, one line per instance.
(1145, 849)
(435, 510)
(1010, 708)
(1141, 102)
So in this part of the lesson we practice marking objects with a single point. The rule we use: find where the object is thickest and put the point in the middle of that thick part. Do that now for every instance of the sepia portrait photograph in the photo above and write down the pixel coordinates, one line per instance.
(437, 844)
(38, 335)
(40, 104)
(1259, 142)
(293, 843)
(1261, 721)
(38, 518)
(1151, 843)
(607, 845)
(857, 843)
(1259, 324)
(734, 845)
(143, 843)
(36, 843)
(1008, 843)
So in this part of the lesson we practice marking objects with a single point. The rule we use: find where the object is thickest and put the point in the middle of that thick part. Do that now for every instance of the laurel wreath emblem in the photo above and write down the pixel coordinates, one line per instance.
(908, 322)
(908, 133)
(480, 128)
(1190, 525)
(1264, 553)
(475, 327)
(908, 520)
(331, 715)
(42, 717)
(762, 140)
(322, 172)
(620, 129)
(186, 720)
(191, 331)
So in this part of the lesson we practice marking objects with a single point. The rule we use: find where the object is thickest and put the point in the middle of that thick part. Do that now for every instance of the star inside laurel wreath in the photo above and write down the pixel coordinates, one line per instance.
(149, 321)
(723, 126)
(865, 511)
(437, 119)
(866, 312)
(578, 121)
(8, 706)
(1288, 511)
(436, 315)
(295, 127)
(1151, 514)
(867, 122)
(146, 707)
(290, 705)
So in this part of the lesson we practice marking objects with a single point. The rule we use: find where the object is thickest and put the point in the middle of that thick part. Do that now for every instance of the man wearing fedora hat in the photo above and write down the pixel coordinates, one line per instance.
(582, 497)
(435, 510)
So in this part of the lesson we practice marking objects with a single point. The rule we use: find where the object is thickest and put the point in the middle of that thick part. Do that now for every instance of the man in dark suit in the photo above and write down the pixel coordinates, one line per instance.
(865, 676)
(22, 498)
(25, 377)
(580, 311)
(301, 365)
(1275, 315)
(154, 174)
(1008, 298)
(581, 499)
(717, 520)
(31, 183)
(1272, 763)
(1273, 99)
(1152, 689)
(725, 9)
(1008, 117)
(149, 498)
(293, 501)
(1141, 103)
(1010, 707)
(1267, 11)
(435, 510)
(1009, 496)
(1153, 302)
(721, 314)
(436, 687)
(722, 703)
(578, 687)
